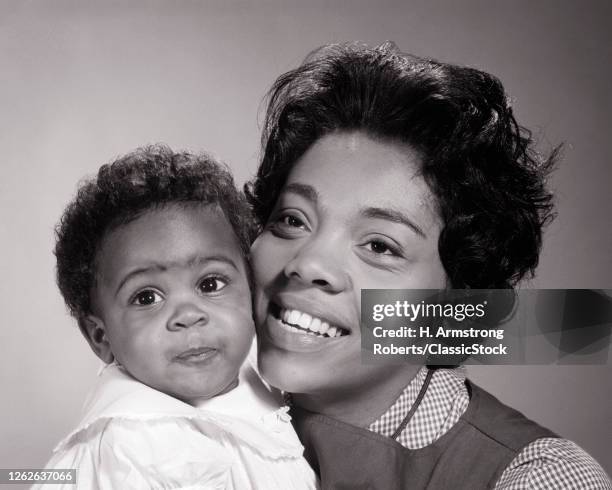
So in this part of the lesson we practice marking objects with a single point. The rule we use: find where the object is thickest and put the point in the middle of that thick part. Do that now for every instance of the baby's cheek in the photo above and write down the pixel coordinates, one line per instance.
(239, 316)
(243, 337)
(147, 347)
(243, 332)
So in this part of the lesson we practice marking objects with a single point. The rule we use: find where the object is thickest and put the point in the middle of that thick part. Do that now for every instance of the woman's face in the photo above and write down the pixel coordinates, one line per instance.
(354, 214)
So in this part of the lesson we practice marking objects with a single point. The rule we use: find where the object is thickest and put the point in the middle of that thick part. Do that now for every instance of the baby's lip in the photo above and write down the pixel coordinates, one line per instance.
(195, 353)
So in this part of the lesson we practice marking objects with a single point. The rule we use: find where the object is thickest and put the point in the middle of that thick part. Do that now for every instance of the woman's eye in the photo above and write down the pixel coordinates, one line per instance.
(146, 298)
(212, 284)
(291, 221)
(381, 248)
(288, 225)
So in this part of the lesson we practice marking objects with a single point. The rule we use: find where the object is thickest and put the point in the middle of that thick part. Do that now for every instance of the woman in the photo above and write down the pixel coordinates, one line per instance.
(382, 170)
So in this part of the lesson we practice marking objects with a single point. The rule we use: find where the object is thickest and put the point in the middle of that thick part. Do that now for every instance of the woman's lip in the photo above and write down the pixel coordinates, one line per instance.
(273, 333)
(287, 302)
(327, 331)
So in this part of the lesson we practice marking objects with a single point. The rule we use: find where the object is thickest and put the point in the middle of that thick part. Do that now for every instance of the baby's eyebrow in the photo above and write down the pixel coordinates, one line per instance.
(199, 260)
(394, 216)
(164, 266)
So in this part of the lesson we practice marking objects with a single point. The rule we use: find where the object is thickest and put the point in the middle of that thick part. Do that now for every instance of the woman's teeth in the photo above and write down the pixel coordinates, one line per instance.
(296, 321)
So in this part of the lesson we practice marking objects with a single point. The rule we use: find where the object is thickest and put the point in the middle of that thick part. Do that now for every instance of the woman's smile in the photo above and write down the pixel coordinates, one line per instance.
(295, 324)
(297, 321)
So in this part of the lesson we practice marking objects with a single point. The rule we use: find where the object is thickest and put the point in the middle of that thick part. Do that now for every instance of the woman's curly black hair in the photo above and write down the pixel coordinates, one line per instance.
(145, 179)
(479, 163)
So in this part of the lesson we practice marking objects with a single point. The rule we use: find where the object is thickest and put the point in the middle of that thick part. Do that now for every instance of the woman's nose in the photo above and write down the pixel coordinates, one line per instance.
(320, 267)
(187, 315)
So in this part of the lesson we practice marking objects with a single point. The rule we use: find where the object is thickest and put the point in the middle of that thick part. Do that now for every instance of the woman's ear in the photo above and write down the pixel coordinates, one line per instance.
(95, 332)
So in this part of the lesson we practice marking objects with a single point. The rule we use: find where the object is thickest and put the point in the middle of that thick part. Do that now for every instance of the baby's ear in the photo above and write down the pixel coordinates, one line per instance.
(95, 332)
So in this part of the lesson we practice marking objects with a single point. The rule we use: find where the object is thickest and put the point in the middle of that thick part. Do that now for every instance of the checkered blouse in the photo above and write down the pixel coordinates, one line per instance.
(547, 463)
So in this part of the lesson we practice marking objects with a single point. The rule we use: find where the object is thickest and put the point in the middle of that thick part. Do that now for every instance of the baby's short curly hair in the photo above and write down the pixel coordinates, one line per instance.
(480, 164)
(147, 178)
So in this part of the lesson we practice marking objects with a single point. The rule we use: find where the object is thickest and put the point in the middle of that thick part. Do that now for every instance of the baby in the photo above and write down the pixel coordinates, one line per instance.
(151, 260)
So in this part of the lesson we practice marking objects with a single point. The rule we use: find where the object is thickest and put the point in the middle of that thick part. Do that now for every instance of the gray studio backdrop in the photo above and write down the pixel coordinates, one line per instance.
(83, 82)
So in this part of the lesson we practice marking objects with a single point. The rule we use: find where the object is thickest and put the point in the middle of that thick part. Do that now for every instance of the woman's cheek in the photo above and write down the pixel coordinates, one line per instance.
(268, 258)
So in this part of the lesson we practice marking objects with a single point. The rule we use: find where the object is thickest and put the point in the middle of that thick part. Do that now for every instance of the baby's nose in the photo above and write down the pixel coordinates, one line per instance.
(187, 315)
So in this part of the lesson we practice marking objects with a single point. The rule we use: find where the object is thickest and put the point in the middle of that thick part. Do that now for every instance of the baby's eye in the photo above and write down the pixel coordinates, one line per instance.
(212, 284)
(146, 298)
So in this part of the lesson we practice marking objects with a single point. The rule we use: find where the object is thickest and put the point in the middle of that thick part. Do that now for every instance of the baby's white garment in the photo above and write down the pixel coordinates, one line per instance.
(135, 437)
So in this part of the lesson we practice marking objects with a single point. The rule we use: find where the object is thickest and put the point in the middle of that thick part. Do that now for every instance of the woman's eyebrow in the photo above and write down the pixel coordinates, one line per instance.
(394, 216)
(306, 191)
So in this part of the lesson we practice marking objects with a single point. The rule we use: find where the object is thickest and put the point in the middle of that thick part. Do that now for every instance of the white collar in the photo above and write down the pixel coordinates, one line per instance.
(249, 412)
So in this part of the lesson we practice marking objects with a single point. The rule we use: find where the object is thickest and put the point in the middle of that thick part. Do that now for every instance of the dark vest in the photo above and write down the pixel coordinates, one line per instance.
(472, 455)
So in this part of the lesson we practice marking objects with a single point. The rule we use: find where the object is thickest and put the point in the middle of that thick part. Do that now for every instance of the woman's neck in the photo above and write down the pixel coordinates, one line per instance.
(359, 406)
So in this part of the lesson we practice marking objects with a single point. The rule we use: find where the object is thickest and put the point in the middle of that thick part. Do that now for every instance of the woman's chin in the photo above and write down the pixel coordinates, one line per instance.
(283, 371)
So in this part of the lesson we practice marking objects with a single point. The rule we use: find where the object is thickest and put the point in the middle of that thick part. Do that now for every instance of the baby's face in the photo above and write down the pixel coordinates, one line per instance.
(173, 300)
